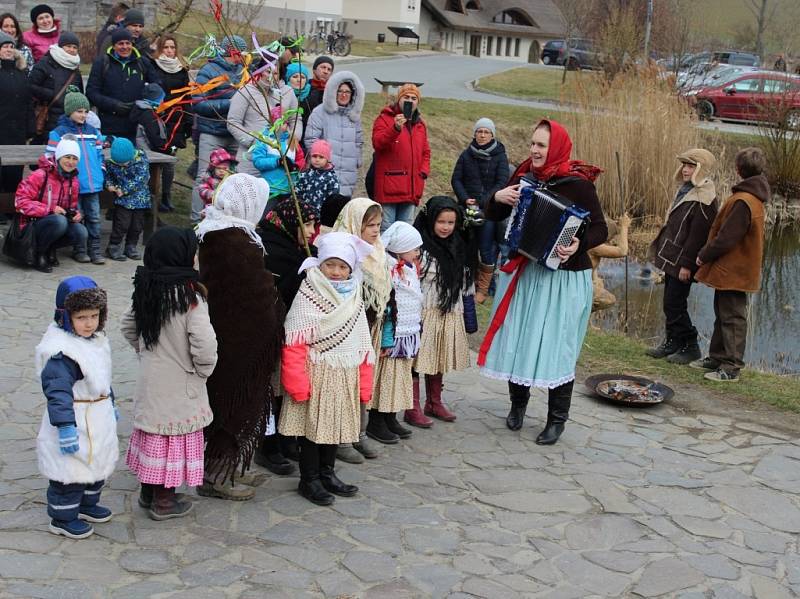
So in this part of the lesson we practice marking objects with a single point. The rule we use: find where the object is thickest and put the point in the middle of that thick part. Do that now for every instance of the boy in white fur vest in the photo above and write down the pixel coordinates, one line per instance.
(77, 443)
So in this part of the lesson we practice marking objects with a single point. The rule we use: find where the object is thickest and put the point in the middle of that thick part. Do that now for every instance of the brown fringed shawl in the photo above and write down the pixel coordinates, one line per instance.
(247, 314)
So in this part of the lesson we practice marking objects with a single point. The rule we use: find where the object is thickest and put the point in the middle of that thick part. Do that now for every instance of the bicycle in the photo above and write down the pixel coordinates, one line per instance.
(332, 43)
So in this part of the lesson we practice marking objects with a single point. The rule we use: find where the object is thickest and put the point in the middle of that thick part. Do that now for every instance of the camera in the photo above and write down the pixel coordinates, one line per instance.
(70, 214)
(408, 110)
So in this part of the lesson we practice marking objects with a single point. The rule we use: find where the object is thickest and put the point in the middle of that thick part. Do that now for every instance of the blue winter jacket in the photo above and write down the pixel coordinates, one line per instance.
(59, 375)
(212, 112)
(133, 178)
(90, 166)
(268, 162)
(114, 85)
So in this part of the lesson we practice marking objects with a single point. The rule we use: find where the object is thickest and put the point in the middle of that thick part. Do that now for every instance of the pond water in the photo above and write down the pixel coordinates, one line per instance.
(773, 338)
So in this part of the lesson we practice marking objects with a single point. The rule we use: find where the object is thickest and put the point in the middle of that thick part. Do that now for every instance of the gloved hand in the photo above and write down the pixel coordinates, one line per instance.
(68, 439)
(123, 108)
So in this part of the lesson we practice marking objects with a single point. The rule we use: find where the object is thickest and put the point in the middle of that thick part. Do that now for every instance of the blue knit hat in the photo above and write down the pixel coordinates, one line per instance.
(234, 41)
(122, 150)
(295, 67)
(153, 94)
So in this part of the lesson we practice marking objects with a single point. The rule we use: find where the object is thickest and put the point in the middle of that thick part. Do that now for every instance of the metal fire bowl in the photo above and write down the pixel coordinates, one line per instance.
(595, 380)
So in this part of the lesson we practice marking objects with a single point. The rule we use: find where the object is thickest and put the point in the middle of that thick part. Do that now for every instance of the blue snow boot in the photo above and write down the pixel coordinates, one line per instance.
(76, 529)
(94, 513)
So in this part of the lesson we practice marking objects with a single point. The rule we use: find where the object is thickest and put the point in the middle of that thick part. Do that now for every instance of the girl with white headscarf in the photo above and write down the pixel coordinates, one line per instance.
(247, 314)
(362, 217)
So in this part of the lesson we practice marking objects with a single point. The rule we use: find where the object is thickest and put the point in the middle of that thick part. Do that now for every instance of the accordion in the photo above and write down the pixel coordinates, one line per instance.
(542, 222)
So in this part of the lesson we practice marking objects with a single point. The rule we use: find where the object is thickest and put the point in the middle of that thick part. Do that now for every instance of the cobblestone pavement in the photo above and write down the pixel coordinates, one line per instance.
(629, 503)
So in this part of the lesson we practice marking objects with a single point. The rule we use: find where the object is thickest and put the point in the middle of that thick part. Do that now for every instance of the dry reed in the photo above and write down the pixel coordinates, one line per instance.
(638, 116)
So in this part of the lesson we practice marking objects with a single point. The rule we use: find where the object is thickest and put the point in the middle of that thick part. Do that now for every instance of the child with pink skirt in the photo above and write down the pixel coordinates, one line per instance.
(169, 327)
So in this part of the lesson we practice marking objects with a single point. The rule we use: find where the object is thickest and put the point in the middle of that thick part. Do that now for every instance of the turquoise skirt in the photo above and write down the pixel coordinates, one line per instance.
(538, 343)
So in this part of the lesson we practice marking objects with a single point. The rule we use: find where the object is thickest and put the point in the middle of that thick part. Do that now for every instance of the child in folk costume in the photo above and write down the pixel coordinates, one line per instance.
(169, 327)
(362, 217)
(447, 271)
(77, 443)
(327, 363)
(395, 389)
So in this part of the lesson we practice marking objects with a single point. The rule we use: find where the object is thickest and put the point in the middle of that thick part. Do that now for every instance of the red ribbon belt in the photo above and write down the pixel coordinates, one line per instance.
(517, 266)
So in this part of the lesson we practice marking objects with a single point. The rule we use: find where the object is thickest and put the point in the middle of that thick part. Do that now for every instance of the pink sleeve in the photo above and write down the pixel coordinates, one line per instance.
(26, 200)
(294, 376)
(365, 381)
(300, 157)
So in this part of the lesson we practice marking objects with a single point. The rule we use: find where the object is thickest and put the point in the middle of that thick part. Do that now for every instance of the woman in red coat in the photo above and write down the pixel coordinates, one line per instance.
(402, 157)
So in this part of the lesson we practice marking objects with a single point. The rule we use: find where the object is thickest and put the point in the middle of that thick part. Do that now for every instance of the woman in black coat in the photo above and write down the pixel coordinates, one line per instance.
(16, 114)
(59, 68)
(481, 170)
(178, 121)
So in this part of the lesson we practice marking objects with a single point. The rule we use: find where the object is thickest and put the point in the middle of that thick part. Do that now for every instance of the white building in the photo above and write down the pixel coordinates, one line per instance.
(513, 30)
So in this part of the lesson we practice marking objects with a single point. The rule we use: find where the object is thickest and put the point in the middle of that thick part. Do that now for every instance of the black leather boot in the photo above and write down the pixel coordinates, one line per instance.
(558, 402)
(327, 473)
(394, 426)
(52, 257)
(42, 264)
(519, 394)
(310, 485)
(377, 429)
(269, 456)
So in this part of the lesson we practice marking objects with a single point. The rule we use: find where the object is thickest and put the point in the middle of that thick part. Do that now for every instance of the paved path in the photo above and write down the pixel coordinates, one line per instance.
(657, 503)
(449, 76)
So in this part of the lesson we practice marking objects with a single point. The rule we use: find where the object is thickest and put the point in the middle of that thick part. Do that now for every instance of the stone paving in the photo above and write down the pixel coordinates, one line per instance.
(657, 503)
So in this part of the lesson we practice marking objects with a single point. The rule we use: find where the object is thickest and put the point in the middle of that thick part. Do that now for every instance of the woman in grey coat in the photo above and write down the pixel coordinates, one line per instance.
(249, 111)
(338, 121)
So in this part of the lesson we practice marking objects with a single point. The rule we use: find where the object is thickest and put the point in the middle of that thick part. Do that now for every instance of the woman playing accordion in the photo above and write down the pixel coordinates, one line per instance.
(540, 316)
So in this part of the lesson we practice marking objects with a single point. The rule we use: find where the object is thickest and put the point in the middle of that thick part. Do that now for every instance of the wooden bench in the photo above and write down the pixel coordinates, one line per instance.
(406, 32)
(387, 85)
(25, 155)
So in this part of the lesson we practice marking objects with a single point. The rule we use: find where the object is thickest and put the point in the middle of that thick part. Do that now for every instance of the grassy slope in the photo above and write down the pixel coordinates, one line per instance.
(530, 84)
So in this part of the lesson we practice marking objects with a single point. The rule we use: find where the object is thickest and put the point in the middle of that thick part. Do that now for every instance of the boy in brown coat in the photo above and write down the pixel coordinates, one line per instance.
(730, 262)
(675, 248)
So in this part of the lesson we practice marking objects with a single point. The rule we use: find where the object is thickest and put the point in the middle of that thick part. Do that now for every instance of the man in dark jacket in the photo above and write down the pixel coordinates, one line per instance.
(675, 251)
(211, 110)
(116, 81)
(322, 71)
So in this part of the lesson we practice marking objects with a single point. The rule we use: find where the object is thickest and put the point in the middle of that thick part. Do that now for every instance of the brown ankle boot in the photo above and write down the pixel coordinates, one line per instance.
(485, 273)
(414, 416)
(433, 399)
(166, 505)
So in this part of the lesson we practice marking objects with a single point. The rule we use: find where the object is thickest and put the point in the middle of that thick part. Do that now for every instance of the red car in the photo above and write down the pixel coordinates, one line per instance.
(764, 96)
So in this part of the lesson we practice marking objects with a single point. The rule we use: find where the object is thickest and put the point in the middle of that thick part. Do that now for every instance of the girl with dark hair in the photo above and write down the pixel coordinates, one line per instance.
(169, 327)
(448, 270)
(540, 316)
(10, 26)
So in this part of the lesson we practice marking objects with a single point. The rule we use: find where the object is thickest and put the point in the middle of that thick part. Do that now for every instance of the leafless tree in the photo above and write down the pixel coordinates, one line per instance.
(576, 14)
(763, 13)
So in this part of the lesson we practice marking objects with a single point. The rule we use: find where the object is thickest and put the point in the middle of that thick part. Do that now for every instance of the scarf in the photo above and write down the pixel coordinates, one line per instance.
(64, 59)
(239, 203)
(377, 281)
(483, 152)
(333, 325)
(169, 65)
(166, 284)
(408, 317)
(450, 254)
(302, 94)
(318, 84)
(558, 163)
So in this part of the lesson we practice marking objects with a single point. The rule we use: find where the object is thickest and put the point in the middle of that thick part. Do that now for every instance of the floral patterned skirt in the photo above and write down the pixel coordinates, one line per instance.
(443, 345)
(393, 390)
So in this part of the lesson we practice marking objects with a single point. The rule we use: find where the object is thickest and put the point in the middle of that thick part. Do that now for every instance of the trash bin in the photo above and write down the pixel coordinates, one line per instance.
(381, 38)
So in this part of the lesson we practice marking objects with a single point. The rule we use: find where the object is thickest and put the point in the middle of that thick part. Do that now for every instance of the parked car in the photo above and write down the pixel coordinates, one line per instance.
(762, 96)
(733, 57)
(688, 83)
(580, 54)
